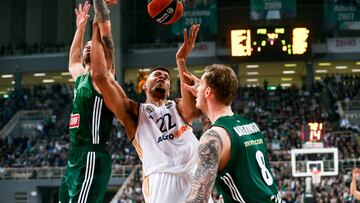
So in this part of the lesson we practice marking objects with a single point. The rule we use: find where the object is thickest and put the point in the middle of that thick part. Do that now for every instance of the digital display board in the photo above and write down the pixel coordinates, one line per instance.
(270, 42)
(312, 132)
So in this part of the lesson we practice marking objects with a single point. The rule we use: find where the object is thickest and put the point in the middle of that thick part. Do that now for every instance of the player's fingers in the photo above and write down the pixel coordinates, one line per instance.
(184, 32)
(187, 87)
(193, 29)
(197, 30)
(188, 76)
(80, 7)
(191, 77)
(185, 35)
(86, 10)
(191, 89)
(76, 12)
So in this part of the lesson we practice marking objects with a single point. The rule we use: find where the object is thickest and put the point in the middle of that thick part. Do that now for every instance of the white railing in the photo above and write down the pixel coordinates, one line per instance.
(351, 105)
(122, 171)
(53, 172)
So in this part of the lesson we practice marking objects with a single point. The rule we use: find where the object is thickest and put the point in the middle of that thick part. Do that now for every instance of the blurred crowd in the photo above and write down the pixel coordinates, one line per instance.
(280, 113)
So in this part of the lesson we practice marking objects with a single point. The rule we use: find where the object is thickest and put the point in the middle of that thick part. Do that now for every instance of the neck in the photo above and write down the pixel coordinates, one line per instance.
(87, 68)
(155, 101)
(215, 111)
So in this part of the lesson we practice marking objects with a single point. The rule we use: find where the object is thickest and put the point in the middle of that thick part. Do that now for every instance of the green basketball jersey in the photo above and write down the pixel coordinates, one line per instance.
(247, 176)
(90, 121)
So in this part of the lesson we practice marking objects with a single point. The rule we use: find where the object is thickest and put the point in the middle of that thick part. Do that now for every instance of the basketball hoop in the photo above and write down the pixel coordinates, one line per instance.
(316, 177)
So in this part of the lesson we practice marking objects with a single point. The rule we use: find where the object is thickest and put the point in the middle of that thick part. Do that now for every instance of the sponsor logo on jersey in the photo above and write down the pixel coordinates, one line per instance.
(150, 109)
(253, 142)
(168, 104)
(247, 129)
(74, 121)
(176, 134)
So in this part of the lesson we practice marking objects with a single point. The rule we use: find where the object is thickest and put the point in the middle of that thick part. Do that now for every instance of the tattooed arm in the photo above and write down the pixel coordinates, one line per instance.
(103, 19)
(209, 155)
(75, 56)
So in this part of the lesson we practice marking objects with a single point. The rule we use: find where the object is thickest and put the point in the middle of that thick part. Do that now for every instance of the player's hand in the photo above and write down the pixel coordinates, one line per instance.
(111, 2)
(82, 15)
(356, 172)
(189, 42)
(195, 81)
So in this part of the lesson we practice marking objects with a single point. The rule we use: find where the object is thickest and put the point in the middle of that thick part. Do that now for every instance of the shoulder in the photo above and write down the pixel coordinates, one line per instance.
(215, 132)
(80, 80)
(80, 77)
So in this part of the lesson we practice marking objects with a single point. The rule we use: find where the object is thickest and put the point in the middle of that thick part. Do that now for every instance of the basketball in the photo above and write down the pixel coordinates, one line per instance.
(165, 11)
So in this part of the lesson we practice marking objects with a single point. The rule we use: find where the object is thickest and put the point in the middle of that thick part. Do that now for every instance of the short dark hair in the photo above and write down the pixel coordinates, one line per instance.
(160, 68)
(223, 81)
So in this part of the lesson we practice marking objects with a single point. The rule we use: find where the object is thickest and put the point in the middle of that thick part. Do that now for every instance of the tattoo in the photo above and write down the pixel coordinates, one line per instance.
(209, 157)
(110, 47)
(206, 123)
(108, 43)
(101, 11)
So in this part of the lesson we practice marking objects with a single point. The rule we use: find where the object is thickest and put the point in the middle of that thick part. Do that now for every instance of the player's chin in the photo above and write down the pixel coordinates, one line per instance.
(87, 60)
(197, 105)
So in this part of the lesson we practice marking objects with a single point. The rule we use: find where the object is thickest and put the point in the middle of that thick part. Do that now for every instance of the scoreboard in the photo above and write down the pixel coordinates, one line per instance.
(312, 132)
(270, 42)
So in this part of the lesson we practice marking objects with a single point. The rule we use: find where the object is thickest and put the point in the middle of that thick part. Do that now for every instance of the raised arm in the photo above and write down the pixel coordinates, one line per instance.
(187, 102)
(75, 59)
(103, 19)
(209, 154)
(353, 190)
(115, 98)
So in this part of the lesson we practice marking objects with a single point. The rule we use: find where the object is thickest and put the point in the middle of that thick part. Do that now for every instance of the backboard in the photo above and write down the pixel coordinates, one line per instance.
(303, 161)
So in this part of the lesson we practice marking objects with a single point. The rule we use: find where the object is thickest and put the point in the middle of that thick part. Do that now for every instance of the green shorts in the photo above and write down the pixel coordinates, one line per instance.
(87, 175)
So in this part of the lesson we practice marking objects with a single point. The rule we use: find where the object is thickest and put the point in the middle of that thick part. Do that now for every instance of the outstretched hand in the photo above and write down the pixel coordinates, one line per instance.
(195, 81)
(82, 15)
(189, 42)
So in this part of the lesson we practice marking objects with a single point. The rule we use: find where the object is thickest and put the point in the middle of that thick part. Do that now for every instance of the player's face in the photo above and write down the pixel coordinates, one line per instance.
(200, 96)
(158, 83)
(87, 52)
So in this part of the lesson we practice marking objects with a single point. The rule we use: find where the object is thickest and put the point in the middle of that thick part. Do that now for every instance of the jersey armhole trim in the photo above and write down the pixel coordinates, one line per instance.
(137, 122)
(226, 168)
(92, 86)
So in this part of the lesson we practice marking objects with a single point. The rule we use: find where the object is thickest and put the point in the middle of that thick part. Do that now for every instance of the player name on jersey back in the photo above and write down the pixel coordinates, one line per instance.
(247, 129)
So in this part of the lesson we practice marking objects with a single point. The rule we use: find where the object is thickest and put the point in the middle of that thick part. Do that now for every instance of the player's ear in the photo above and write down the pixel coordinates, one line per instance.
(143, 86)
(208, 91)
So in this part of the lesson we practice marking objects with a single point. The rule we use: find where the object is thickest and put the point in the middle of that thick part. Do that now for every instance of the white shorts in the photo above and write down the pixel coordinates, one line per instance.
(166, 188)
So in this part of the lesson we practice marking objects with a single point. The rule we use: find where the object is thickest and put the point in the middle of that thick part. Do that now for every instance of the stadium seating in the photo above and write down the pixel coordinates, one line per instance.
(279, 113)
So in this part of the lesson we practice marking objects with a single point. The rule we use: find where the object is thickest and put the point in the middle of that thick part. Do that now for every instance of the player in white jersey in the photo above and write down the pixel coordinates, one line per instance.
(159, 128)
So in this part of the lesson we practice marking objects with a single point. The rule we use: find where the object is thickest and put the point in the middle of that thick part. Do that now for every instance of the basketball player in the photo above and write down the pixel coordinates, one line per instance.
(232, 152)
(158, 128)
(353, 190)
(88, 168)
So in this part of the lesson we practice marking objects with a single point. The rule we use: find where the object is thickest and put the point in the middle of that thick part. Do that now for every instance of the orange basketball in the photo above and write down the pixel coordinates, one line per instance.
(165, 11)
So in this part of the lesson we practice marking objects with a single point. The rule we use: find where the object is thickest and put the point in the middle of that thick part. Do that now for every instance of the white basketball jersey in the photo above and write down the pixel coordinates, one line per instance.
(164, 142)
